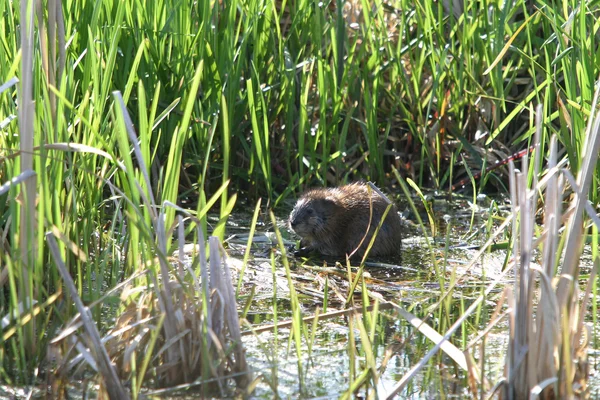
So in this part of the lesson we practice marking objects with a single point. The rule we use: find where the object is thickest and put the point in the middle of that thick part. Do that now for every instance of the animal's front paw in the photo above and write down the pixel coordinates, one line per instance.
(303, 252)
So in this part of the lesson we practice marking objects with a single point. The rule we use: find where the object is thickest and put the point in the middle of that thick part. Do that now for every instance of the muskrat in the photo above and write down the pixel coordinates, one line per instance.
(333, 221)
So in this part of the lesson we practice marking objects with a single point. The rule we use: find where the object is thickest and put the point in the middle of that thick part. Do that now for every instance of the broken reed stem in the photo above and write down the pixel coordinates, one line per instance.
(545, 357)
(584, 180)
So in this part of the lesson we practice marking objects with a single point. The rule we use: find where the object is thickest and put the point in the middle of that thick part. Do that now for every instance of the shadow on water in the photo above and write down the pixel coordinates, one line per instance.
(411, 281)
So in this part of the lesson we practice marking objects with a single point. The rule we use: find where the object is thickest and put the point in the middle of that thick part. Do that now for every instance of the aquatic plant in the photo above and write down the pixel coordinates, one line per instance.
(547, 355)
(259, 99)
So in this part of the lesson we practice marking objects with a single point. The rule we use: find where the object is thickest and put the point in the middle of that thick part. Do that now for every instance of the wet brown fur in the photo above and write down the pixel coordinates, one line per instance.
(333, 221)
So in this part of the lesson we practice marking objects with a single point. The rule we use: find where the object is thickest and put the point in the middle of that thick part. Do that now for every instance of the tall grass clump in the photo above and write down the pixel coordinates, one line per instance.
(89, 214)
(282, 92)
(178, 329)
(547, 355)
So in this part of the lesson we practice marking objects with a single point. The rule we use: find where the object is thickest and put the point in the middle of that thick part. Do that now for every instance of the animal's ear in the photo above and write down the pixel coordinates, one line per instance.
(328, 204)
(330, 199)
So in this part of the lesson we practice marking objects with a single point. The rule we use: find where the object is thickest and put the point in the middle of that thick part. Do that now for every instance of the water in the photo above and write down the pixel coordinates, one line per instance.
(324, 366)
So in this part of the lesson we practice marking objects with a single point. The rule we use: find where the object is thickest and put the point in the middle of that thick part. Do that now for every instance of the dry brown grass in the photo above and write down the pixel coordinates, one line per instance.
(547, 355)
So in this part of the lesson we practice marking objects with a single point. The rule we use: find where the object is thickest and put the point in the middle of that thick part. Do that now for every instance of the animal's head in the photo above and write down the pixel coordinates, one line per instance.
(311, 215)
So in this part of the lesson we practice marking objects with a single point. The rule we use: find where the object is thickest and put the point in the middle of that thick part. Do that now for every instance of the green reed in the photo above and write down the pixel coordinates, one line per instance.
(258, 99)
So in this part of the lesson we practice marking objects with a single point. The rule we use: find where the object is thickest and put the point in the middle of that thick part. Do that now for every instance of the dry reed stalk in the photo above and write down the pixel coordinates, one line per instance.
(204, 342)
(27, 196)
(547, 358)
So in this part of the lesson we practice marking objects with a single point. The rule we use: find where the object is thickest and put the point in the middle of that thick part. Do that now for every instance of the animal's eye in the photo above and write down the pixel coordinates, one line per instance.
(310, 211)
